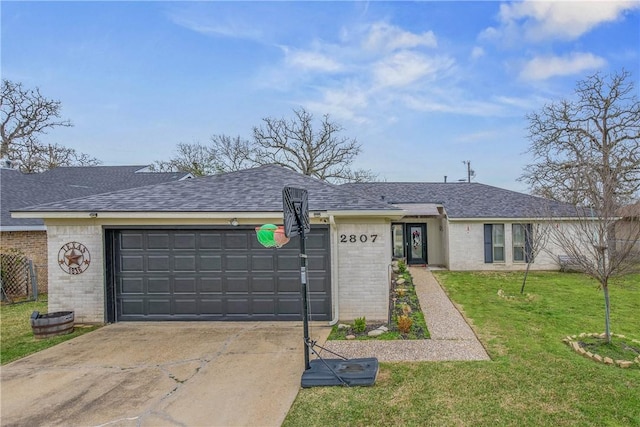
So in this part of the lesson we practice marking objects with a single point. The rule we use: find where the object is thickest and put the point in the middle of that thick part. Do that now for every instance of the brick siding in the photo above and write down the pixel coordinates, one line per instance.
(33, 244)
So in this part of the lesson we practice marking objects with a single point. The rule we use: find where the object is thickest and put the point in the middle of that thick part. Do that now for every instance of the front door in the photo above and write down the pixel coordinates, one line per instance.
(416, 242)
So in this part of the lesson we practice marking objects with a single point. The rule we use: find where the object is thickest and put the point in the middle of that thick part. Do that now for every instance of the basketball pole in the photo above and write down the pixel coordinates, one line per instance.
(303, 281)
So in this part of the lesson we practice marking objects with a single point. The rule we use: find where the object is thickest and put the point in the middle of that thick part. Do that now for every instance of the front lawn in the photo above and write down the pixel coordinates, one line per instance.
(533, 379)
(17, 338)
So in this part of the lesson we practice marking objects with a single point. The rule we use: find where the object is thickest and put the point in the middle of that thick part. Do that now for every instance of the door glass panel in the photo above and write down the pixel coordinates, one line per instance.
(415, 236)
(398, 240)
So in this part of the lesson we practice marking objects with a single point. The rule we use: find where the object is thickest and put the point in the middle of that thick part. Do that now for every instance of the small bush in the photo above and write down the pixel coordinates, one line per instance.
(402, 266)
(404, 324)
(359, 324)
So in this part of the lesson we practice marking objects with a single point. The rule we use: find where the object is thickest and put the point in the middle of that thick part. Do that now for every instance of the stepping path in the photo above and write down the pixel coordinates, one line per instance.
(451, 337)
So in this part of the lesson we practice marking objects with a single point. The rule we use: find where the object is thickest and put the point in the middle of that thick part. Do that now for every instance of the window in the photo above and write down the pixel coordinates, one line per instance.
(493, 243)
(397, 238)
(521, 242)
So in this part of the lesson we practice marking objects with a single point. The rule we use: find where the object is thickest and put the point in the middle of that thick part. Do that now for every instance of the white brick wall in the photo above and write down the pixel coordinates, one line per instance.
(363, 270)
(83, 293)
(466, 249)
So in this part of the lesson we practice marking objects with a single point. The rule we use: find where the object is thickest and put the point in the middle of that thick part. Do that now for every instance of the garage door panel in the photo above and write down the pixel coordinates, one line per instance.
(132, 263)
(235, 285)
(212, 306)
(158, 263)
(215, 275)
(237, 306)
(316, 241)
(236, 241)
(158, 285)
(317, 262)
(264, 284)
(158, 241)
(262, 306)
(289, 284)
(316, 284)
(185, 306)
(210, 285)
(289, 306)
(132, 241)
(184, 285)
(159, 306)
(132, 285)
(210, 262)
(184, 241)
(236, 262)
(288, 262)
(184, 263)
(132, 307)
(210, 241)
(262, 262)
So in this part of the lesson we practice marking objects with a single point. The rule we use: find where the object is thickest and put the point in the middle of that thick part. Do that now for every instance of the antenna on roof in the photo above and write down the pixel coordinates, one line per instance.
(470, 172)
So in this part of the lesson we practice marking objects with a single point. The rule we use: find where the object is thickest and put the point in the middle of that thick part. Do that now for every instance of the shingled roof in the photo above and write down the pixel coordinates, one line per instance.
(464, 200)
(20, 190)
(252, 190)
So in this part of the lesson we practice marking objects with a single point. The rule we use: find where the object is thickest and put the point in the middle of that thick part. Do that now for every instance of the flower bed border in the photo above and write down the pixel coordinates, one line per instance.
(572, 343)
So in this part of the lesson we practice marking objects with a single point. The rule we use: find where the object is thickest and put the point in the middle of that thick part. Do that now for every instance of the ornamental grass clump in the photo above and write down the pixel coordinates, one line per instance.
(404, 324)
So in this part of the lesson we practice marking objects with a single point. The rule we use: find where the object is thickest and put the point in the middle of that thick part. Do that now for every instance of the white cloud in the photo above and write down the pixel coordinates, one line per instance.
(383, 37)
(544, 67)
(310, 60)
(406, 67)
(230, 28)
(342, 103)
(565, 20)
(477, 52)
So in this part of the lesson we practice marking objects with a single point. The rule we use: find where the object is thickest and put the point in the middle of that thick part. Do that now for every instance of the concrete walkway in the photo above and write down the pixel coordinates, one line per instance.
(451, 336)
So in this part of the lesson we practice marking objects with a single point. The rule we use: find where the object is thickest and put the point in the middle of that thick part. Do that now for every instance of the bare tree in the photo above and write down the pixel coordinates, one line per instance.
(293, 144)
(232, 154)
(25, 115)
(38, 158)
(587, 152)
(297, 145)
(196, 159)
(536, 237)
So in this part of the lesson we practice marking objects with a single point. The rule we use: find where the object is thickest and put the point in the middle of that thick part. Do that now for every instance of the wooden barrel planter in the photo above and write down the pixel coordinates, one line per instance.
(52, 324)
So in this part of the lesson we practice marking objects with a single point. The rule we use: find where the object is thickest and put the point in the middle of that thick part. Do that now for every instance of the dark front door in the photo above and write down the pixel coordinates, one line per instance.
(225, 274)
(416, 242)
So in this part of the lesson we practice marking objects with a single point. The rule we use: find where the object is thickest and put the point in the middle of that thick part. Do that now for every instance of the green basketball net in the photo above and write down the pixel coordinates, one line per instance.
(271, 236)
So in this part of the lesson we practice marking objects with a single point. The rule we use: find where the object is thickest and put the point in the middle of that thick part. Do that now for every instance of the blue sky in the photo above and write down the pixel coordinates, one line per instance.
(421, 85)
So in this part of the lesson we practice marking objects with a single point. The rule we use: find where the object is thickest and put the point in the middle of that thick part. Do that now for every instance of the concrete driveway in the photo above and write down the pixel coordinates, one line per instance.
(160, 374)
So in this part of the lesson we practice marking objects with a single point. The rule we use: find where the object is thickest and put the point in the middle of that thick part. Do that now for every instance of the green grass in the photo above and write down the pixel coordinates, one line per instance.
(16, 336)
(533, 379)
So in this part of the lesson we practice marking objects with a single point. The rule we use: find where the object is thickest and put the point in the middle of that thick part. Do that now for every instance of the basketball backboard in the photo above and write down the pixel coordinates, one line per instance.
(295, 207)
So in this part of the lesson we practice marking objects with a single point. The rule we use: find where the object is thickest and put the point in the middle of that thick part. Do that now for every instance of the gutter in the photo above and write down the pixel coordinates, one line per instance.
(333, 238)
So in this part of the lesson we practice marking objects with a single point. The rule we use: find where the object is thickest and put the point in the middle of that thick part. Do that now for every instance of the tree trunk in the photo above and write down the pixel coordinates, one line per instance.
(524, 281)
(605, 288)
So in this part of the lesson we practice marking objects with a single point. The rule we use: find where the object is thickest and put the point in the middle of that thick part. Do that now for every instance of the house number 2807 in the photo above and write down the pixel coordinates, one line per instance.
(353, 238)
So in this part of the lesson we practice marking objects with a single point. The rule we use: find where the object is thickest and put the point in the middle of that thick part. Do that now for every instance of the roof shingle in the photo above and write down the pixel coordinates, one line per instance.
(19, 190)
(252, 190)
(465, 200)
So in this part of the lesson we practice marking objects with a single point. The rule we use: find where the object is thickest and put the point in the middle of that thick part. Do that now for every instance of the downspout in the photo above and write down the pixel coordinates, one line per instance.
(334, 270)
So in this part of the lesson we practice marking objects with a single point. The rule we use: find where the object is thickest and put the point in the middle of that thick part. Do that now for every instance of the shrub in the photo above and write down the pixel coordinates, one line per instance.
(359, 324)
(402, 266)
(404, 324)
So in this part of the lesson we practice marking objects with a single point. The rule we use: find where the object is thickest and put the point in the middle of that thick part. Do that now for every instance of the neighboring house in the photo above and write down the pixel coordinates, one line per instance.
(628, 227)
(19, 190)
(188, 250)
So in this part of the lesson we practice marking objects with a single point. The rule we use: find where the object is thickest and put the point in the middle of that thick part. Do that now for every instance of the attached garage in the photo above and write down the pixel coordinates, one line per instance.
(188, 251)
(213, 274)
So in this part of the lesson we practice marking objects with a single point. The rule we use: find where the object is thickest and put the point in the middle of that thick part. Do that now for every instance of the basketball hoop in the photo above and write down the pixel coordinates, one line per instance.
(271, 236)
